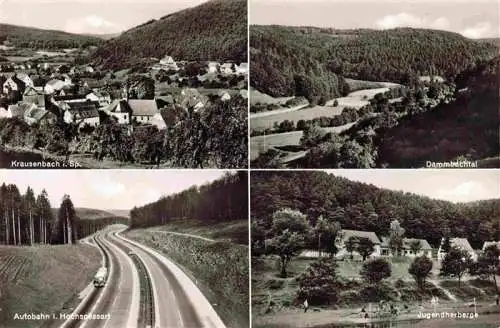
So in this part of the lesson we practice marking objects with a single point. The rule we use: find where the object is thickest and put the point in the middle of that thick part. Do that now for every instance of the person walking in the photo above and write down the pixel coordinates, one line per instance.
(306, 305)
(497, 299)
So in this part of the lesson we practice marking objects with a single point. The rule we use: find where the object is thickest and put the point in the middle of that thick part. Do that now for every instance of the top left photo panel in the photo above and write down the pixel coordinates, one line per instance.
(123, 84)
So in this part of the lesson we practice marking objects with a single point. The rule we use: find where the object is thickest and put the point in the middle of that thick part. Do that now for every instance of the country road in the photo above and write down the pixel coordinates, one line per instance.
(172, 301)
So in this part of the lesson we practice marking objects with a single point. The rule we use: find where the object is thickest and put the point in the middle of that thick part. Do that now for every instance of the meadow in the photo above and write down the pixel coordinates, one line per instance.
(43, 279)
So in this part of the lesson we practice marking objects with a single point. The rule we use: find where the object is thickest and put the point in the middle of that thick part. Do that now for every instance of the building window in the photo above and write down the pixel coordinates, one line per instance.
(124, 117)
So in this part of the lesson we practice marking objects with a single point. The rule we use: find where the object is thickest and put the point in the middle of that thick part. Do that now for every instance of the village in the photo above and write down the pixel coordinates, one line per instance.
(160, 94)
(39, 93)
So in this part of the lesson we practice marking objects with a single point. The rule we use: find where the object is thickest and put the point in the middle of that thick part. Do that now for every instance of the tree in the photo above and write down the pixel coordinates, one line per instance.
(488, 264)
(415, 246)
(64, 230)
(45, 217)
(445, 247)
(396, 234)
(420, 269)
(319, 283)
(286, 245)
(327, 234)
(365, 247)
(289, 229)
(29, 203)
(455, 263)
(350, 244)
(311, 136)
(376, 270)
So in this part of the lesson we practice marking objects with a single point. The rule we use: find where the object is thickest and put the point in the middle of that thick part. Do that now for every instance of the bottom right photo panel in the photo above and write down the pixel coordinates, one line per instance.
(375, 248)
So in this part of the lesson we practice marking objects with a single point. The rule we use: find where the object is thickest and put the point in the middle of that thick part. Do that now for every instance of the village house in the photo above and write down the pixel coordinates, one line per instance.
(490, 243)
(425, 248)
(460, 243)
(11, 111)
(227, 69)
(342, 251)
(36, 115)
(120, 110)
(34, 96)
(213, 67)
(242, 69)
(54, 86)
(102, 97)
(167, 63)
(28, 82)
(82, 112)
(142, 110)
(13, 83)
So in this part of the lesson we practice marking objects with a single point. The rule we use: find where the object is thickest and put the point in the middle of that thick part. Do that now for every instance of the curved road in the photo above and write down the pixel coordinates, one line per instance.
(174, 304)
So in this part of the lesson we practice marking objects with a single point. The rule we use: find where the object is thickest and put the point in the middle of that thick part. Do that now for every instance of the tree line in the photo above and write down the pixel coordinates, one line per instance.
(28, 219)
(361, 206)
(280, 53)
(222, 200)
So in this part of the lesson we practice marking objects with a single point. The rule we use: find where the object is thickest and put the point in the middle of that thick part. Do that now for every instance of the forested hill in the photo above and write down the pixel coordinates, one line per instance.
(366, 207)
(84, 213)
(35, 38)
(397, 55)
(215, 30)
(223, 200)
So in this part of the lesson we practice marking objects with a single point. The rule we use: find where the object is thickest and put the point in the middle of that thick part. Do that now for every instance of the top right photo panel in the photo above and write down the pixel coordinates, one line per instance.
(374, 84)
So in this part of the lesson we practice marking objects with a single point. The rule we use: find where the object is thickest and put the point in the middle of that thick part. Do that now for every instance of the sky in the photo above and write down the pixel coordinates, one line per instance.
(455, 185)
(107, 189)
(471, 18)
(88, 16)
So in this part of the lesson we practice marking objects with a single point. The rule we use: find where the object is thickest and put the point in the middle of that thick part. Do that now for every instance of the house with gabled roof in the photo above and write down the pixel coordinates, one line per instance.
(54, 86)
(490, 243)
(142, 110)
(15, 84)
(84, 112)
(120, 110)
(37, 115)
(425, 248)
(34, 96)
(345, 235)
(102, 97)
(460, 243)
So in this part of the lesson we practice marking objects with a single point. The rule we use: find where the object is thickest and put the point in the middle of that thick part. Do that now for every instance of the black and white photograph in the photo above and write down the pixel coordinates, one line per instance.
(123, 84)
(124, 249)
(374, 83)
(375, 248)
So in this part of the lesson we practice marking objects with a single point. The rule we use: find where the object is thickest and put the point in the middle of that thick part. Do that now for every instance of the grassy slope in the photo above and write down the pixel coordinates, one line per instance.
(220, 268)
(19, 35)
(272, 293)
(42, 279)
(184, 35)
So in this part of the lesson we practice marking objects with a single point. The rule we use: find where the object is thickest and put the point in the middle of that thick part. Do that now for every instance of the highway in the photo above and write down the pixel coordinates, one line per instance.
(174, 302)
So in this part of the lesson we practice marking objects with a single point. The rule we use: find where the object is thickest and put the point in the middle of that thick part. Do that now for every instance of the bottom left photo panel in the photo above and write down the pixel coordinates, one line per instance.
(115, 248)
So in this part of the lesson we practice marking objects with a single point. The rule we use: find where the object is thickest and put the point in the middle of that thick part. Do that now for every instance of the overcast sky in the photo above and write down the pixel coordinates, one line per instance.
(471, 18)
(88, 16)
(107, 189)
(459, 185)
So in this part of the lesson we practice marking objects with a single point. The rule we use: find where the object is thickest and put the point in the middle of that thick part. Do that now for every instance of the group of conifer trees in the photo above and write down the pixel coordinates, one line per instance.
(28, 219)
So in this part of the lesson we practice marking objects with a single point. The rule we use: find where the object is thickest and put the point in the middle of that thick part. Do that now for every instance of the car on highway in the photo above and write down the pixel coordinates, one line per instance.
(100, 277)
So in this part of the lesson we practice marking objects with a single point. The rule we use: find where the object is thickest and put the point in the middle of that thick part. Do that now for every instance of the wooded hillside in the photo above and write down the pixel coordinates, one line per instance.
(398, 55)
(223, 200)
(35, 38)
(361, 206)
(215, 30)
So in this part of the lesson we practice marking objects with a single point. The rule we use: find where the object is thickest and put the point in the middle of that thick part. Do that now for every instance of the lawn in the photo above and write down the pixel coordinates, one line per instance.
(43, 279)
(220, 268)
(274, 302)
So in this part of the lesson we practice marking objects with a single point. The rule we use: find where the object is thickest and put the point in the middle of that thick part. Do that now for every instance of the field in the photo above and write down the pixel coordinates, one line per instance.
(43, 279)
(356, 99)
(220, 268)
(274, 301)
(257, 97)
